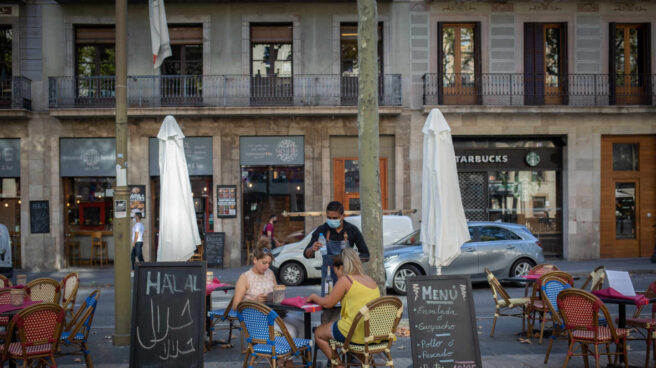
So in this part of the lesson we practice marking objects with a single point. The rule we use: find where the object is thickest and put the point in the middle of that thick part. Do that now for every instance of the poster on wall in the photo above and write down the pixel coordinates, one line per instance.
(138, 200)
(226, 201)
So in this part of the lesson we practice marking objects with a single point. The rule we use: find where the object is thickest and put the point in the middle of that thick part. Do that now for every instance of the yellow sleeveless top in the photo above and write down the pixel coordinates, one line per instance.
(356, 297)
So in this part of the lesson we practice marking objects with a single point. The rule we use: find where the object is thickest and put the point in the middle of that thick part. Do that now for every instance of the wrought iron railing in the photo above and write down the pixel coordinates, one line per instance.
(497, 89)
(219, 91)
(16, 93)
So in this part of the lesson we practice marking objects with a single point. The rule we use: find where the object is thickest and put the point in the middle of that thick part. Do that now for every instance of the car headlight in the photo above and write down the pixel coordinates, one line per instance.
(389, 258)
(276, 252)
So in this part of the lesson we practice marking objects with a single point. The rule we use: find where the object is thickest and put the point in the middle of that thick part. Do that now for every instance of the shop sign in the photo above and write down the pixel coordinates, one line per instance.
(508, 159)
(87, 157)
(271, 150)
(9, 158)
(198, 152)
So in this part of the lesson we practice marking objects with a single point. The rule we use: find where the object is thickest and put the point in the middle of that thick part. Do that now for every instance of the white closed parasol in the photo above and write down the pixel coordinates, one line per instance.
(178, 231)
(443, 223)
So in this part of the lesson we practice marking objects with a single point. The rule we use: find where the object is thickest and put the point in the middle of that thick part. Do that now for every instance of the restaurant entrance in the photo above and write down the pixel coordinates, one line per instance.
(628, 203)
(10, 199)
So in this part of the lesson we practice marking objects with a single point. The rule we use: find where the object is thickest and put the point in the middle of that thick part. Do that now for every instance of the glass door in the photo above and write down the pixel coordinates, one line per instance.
(458, 64)
(630, 77)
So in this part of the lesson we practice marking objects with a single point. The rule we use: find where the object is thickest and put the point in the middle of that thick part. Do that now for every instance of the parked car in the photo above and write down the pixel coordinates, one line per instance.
(292, 268)
(504, 248)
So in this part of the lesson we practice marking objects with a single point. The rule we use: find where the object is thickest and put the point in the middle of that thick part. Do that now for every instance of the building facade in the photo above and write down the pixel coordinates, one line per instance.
(551, 105)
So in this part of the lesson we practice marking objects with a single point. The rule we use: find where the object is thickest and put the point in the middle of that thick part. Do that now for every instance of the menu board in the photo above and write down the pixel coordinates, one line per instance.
(214, 246)
(168, 305)
(226, 201)
(39, 217)
(442, 322)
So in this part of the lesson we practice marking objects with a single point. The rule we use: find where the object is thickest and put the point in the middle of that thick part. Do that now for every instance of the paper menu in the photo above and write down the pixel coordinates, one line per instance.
(620, 281)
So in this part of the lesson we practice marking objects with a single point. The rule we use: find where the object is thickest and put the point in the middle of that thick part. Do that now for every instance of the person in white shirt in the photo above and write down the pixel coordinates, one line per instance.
(137, 239)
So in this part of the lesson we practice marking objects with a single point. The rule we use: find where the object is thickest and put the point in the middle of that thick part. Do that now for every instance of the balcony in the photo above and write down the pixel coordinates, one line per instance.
(579, 90)
(219, 91)
(16, 93)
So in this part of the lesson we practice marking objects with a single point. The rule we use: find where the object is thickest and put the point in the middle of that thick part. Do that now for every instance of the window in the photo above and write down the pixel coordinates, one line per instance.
(459, 63)
(348, 33)
(625, 157)
(545, 63)
(6, 40)
(95, 65)
(493, 233)
(539, 207)
(630, 63)
(625, 210)
(271, 64)
(185, 62)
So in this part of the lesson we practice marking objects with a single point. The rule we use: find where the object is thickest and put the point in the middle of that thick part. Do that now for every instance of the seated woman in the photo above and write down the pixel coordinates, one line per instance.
(257, 285)
(354, 289)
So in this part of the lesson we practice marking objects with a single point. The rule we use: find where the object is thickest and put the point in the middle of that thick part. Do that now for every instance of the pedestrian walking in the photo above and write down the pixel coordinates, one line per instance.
(137, 239)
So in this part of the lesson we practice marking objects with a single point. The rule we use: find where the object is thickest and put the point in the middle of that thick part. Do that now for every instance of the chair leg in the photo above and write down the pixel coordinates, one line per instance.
(596, 351)
(648, 348)
(246, 359)
(586, 362)
(544, 317)
(546, 357)
(608, 352)
(230, 331)
(494, 321)
(87, 356)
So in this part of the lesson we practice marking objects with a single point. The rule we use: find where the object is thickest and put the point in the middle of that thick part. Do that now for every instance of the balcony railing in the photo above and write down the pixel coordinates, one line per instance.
(16, 93)
(527, 90)
(219, 91)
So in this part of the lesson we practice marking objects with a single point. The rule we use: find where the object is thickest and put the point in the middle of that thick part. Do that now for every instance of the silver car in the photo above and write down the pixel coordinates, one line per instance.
(504, 248)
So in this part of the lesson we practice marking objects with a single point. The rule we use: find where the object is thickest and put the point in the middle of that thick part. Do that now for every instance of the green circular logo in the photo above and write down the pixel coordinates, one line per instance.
(532, 159)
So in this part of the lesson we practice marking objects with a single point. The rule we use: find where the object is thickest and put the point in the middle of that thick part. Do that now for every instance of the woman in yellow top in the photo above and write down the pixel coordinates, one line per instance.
(354, 289)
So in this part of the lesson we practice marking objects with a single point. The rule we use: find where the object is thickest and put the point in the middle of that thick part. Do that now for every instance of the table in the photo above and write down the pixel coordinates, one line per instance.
(307, 315)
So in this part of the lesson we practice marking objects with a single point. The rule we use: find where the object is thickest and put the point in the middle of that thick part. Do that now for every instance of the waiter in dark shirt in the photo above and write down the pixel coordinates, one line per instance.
(339, 234)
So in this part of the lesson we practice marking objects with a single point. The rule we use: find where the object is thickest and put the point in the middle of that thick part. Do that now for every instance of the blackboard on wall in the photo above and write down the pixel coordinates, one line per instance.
(442, 322)
(214, 246)
(39, 217)
(168, 309)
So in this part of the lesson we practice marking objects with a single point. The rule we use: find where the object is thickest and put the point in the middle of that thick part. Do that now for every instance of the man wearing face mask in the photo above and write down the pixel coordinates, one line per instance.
(339, 234)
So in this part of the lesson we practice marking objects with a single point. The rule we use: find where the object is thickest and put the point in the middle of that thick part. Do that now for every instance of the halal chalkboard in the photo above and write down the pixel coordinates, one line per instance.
(214, 245)
(442, 322)
(39, 217)
(168, 305)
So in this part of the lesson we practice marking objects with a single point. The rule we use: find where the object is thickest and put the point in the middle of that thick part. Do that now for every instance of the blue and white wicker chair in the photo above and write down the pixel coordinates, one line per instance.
(76, 332)
(219, 316)
(258, 327)
(552, 285)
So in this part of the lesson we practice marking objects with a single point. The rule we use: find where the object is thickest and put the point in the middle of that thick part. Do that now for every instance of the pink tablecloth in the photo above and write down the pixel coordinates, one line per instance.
(532, 277)
(612, 293)
(4, 308)
(300, 302)
(209, 288)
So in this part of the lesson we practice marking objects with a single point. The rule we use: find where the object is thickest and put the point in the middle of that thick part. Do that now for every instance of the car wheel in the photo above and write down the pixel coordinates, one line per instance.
(521, 267)
(292, 274)
(398, 282)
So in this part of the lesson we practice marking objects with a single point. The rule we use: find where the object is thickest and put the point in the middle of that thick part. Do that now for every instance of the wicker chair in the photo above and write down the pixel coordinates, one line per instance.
(542, 268)
(5, 297)
(76, 332)
(257, 323)
(224, 315)
(536, 308)
(647, 324)
(69, 285)
(379, 318)
(504, 303)
(44, 290)
(580, 311)
(39, 328)
(551, 287)
(5, 282)
(595, 280)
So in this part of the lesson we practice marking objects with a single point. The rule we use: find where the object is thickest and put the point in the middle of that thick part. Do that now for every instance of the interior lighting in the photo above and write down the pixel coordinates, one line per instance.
(250, 185)
(6, 204)
(298, 187)
(204, 189)
(19, 201)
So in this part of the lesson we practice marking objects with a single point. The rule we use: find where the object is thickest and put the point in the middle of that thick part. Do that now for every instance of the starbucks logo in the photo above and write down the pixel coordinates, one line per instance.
(91, 157)
(532, 159)
(287, 150)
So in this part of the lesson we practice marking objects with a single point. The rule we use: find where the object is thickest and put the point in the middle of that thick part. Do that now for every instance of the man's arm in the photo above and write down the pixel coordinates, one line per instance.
(309, 252)
(358, 239)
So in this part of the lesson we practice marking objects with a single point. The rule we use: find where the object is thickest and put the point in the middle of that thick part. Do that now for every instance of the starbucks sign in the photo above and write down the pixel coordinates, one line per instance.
(532, 159)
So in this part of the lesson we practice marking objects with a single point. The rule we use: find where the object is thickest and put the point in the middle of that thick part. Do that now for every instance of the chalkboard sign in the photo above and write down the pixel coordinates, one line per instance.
(168, 309)
(442, 322)
(214, 245)
(39, 217)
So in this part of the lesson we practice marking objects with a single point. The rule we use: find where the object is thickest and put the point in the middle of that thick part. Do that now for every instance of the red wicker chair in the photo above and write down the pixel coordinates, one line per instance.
(5, 297)
(69, 285)
(580, 311)
(647, 324)
(536, 307)
(39, 329)
(44, 290)
(5, 282)
(542, 268)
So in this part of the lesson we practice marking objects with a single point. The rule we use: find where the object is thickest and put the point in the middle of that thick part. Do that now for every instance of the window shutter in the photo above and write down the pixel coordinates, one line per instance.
(271, 33)
(646, 55)
(529, 64)
(564, 61)
(186, 35)
(94, 35)
(477, 61)
(611, 63)
(440, 66)
(538, 57)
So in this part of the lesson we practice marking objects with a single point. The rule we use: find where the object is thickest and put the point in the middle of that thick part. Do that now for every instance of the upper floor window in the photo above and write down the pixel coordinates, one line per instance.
(95, 54)
(459, 59)
(271, 50)
(348, 45)
(545, 63)
(186, 51)
(6, 40)
(630, 63)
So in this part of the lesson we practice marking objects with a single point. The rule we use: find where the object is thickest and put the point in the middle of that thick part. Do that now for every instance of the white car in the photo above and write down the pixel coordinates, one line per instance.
(292, 268)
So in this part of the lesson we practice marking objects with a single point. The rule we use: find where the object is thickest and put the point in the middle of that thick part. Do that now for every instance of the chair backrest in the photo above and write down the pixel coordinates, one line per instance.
(580, 311)
(69, 285)
(552, 286)
(5, 297)
(96, 238)
(38, 324)
(258, 322)
(5, 282)
(81, 321)
(379, 319)
(649, 293)
(44, 290)
(562, 275)
(595, 279)
(497, 289)
(542, 269)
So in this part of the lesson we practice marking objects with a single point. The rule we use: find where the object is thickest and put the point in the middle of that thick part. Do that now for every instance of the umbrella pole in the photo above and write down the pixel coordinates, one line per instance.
(439, 270)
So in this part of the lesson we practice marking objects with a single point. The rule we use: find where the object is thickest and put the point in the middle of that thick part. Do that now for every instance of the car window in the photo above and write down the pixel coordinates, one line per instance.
(492, 233)
(412, 239)
(472, 234)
